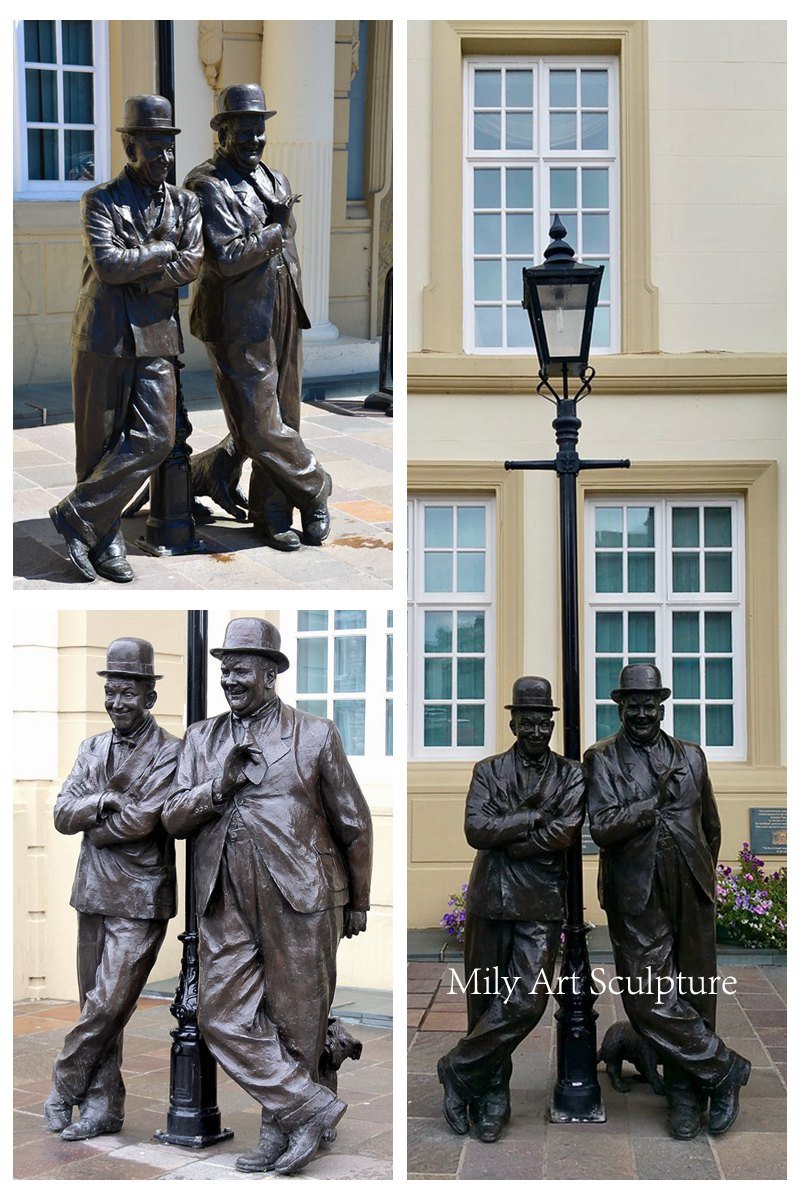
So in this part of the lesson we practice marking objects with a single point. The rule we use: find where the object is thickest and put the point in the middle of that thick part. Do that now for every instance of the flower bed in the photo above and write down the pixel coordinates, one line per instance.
(751, 905)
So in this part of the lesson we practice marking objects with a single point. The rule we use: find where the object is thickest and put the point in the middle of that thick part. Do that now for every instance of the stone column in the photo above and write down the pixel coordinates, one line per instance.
(297, 74)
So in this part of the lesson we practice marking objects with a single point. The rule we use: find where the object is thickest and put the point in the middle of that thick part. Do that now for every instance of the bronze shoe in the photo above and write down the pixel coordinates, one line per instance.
(77, 549)
(725, 1096)
(90, 1127)
(304, 1142)
(272, 1143)
(454, 1105)
(57, 1111)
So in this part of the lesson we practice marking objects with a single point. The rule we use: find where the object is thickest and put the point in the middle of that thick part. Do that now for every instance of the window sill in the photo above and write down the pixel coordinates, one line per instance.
(616, 373)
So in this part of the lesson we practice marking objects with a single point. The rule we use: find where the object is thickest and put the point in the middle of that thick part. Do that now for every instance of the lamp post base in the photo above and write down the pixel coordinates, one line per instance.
(195, 546)
(576, 1106)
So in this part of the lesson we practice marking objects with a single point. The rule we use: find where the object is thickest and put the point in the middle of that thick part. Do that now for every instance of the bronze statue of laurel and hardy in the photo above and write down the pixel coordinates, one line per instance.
(652, 813)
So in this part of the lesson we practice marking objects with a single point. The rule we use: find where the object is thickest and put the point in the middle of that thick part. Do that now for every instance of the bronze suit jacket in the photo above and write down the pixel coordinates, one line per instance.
(302, 807)
(235, 294)
(624, 816)
(126, 866)
(124, 308)
(520, 869)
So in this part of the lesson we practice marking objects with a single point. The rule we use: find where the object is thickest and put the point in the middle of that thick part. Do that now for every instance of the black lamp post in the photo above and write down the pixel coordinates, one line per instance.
(193, 1118)
(560, 297)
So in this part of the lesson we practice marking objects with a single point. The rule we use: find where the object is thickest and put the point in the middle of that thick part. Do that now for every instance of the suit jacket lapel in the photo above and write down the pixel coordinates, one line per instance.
(633, 766)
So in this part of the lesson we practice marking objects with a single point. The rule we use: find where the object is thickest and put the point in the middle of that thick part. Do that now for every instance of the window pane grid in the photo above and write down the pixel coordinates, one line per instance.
(59, 101)
(695, 636)
(450, 635)
(343, 656)
(502, 235)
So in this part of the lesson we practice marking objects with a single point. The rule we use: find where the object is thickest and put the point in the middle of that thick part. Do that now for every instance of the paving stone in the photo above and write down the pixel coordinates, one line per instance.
(665, 1158)
(502, 1160)
(433, 1148)
(748, 1155)
(587, 1152)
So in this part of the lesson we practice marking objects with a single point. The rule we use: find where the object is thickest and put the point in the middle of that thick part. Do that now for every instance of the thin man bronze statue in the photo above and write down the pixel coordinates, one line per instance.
(248, 309)
(653, 814)
(142, 240)
(282, 843)
(524, 808)
(124, 888)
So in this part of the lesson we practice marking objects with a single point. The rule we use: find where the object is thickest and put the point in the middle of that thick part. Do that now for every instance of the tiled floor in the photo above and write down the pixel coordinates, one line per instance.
(362, 1150)
(354, 446)
(633, 1143)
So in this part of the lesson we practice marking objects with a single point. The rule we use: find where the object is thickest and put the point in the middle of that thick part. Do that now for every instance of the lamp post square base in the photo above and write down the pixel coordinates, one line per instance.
(572, 1114)
(196, 546)
(195, 1141)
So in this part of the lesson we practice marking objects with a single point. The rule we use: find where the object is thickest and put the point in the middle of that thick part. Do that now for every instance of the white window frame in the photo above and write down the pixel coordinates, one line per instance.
(541, 158)
(420, 602)
(376, 631)
(66, 189)
(664, 601)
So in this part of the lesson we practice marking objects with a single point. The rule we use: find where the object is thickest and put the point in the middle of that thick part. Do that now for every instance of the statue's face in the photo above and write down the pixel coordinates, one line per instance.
(533, 728)
(152, 155)
(248, 681)
(127, 701)
(641, 714)
(244, 139)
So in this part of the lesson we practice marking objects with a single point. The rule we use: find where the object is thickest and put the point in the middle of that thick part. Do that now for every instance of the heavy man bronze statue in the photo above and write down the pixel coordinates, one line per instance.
(524, 808)
(653, 814)
(282, 852)
(124, 888)
(248, 309)
(142, 239)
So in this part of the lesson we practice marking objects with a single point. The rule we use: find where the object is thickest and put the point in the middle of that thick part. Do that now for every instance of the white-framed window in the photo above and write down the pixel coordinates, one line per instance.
(61, 102)
(541, 137)
(342, 668)
(665, 585)
(451, 626)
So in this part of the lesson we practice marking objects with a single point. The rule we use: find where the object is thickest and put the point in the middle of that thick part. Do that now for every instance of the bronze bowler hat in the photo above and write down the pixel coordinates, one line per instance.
(531, 691)
(132, 658)
(639, 677)
(147, 114)
(252, 635)
(241, 100)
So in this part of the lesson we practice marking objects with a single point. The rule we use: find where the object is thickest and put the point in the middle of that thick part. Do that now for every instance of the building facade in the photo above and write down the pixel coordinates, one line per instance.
(662, 147)
(331, 84)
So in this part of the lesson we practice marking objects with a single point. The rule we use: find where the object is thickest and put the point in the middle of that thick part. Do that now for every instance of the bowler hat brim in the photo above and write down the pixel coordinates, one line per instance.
(536, 704)
(231, 115)
(147, 129)
(276, 656)
(126, 674)
(620, 693)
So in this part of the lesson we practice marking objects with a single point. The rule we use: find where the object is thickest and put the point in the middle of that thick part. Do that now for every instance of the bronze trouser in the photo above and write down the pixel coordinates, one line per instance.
(115, 957)
(267, 976)
(286, 351)
(246, 377)
(676, 934)
(124, 429)
(481, 1061)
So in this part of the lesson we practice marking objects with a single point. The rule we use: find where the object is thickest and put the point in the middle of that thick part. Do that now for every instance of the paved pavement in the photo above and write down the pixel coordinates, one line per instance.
(354, 445)
(362, 1150)
(633, 1143)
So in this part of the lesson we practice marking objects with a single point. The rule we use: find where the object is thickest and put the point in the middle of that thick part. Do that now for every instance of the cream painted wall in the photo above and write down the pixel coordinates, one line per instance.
(58, 701)
(718, 162)
(418, 190)
(718, 187)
